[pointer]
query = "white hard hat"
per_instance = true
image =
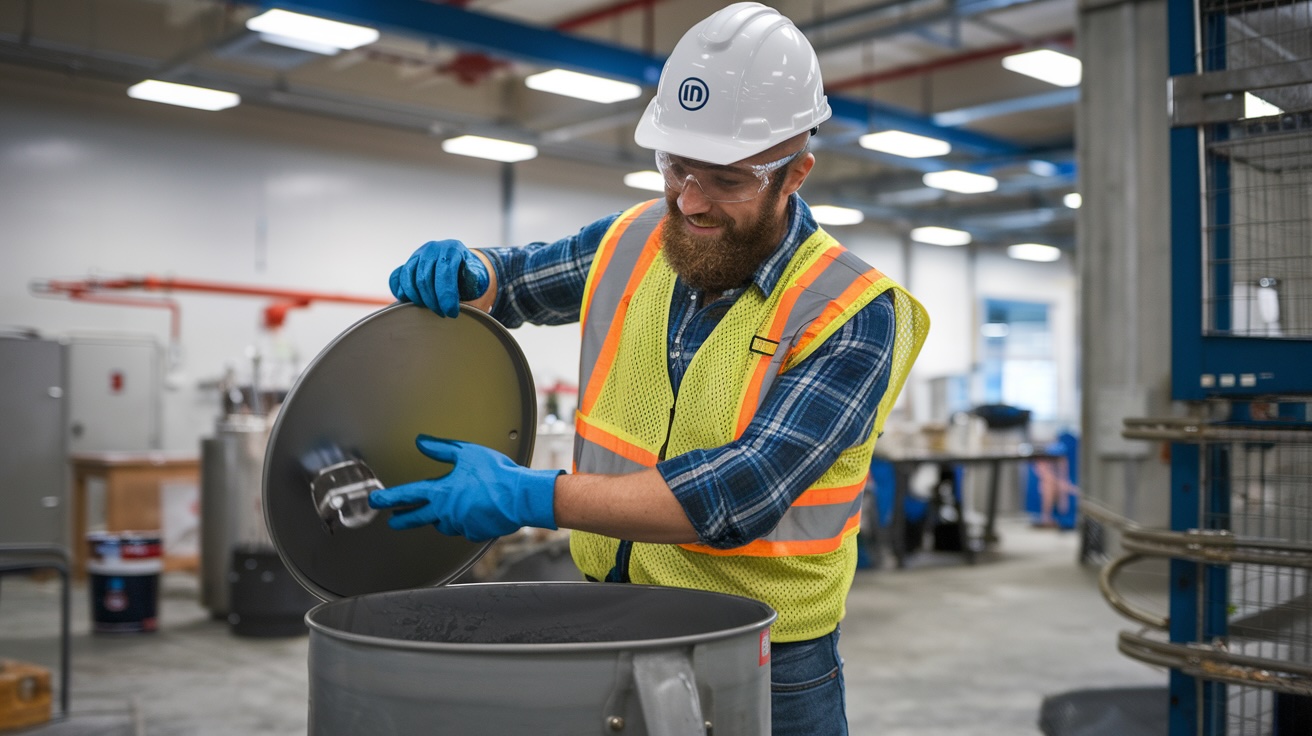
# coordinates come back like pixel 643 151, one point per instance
pixel 737 83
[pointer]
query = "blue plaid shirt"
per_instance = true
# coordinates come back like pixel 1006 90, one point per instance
pixel 736 493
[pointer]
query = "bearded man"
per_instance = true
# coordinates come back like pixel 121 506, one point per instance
pixel 737 364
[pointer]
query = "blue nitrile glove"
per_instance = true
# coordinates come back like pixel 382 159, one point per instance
pixel 440 275
pixel 486 495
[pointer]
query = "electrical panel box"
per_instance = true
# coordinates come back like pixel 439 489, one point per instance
pixel 33 452
pixel 115 392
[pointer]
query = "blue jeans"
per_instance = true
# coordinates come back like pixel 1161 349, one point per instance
pixel 806 688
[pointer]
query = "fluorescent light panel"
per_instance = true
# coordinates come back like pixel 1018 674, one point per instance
pixel 300 44
pixel 1074 200
pixel 307 28
pixel 906 145
pixel 651 181
pixel 1034 252
pixel 940 236
pixel 828 214
pixel 489 148
pixel 1256 107
pixel 1050 66
pixel 582 86
pixel 960 181
pixel 185 95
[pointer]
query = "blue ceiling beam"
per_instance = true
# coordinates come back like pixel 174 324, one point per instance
pixel 1043 100
pixel 544 46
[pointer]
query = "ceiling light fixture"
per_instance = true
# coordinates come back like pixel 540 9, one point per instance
pixel 906 145
pixel 828 214
pixel 582 86
pixel 279 26
pixel 1073 200
pixel 301 44
pixel 1050 66
pixel 960 181
pixel 1034 252
pixel 490 148
pixel 185 95
pixel 649 180
pixel 1256 107
pixel 940 236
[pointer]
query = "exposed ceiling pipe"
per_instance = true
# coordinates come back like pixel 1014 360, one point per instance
pixel 175 311
pixel 92 290
pixel 954 12
pixel 473 67
pixel 542 46
pixel 946 62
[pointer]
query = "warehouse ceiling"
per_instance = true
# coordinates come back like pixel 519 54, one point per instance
pixel 931 67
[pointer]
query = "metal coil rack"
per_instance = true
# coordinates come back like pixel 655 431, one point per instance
pixel 1253 549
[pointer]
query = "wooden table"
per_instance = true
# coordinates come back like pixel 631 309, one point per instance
pixel 133 484
pixel 904 464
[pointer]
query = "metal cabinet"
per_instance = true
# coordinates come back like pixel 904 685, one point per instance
pixel 33 469
pixel 114 394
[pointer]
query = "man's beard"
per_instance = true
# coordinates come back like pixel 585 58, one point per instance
pixel 721 262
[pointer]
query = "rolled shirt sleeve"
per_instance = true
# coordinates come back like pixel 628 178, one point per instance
pixel 542 283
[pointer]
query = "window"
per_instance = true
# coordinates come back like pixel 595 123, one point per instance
pixel 1017 366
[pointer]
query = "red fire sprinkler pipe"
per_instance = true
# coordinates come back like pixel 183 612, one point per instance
pixel 274 315
pixel 175 311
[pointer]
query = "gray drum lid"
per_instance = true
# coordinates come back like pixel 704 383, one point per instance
pixel 398 373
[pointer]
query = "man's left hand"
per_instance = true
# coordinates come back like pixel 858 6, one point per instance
pixel 486 495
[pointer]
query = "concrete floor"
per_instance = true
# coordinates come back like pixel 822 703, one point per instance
pixel 939 648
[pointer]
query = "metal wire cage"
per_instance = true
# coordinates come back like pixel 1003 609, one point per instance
pixel 1258 242
pixel 1258 183
pixel 1268 606
pixel 1252 545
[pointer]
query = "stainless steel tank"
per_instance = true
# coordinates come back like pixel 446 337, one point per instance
pixel 232 513
pixel 395 650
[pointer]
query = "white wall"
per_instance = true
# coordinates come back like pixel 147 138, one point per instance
pixel 93 183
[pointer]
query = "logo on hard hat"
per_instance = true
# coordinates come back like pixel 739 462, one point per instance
pixel 693 94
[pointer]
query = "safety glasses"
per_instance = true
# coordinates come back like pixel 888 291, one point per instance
pixel 729 183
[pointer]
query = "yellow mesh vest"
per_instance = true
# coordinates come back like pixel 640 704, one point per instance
pixel 637 405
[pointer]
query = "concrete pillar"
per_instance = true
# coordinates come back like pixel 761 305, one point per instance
pixel 1124 254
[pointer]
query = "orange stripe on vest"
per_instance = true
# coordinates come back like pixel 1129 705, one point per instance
pixel 607 250
pixel 752 396
pixel 601 370
pixel 605 439
pixel 831 496
pixel 833 310
pixel 763 548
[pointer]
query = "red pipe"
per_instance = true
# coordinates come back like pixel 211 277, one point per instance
pixel 175 312
pixel 157 283
pixel 274 315
pixel 593 16
pixel 946 62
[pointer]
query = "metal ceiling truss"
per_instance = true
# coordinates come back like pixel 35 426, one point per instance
pixel 478 32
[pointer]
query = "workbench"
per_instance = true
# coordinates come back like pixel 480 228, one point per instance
pixel 905 462
pixel 134 484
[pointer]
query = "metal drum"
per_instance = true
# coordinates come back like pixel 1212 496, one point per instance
pixel 541 658
pixel 393 652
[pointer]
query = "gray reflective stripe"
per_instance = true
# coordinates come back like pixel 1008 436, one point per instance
pixel 609 289
pixel 828 286
pixel 593 458
pixel 809 523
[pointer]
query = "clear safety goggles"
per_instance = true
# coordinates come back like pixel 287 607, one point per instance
pixel 727 183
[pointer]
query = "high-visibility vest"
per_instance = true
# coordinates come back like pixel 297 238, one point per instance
pixel 629 417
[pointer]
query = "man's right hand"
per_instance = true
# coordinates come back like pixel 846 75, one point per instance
pixel 440 275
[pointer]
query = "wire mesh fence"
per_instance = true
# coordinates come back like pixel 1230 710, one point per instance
pixel 1268 607
pixel 1258 183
